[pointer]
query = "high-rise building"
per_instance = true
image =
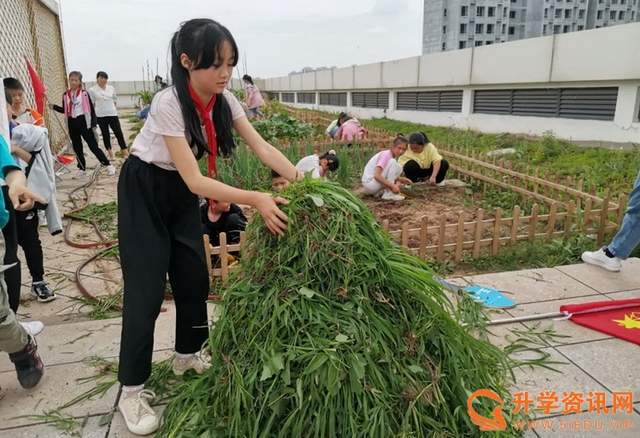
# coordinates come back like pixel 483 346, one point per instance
pixel 458 24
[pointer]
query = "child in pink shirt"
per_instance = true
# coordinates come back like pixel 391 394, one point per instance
pixel 253 98
pixel 350 129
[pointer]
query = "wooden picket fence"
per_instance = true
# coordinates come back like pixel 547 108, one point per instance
pixel 555 209
pixel 482 236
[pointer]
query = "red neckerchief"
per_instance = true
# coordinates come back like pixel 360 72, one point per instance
pixel 69 93
pixel 204 112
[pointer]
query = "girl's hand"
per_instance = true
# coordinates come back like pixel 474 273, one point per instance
pixel 404 180
pixel 432 181
pixel 395 188
pixel 22 198
pixel 274 218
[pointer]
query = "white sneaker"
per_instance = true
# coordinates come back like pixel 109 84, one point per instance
pixel 192 362
pixel 34 328
pixel 441 183
pixel 139 417
pixel 111 170
pixel 388 195
pixel 599 258
pixel 79 174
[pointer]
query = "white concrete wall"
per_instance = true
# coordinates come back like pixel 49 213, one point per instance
pixel 624 129
pixel 445 69
pixel 309 81
pixel 368 76
pixel 523 61
pixel 295 82
pixel 343 78
pixel 611 53
pixel 400 73
pixel 324 79
pixel 597 58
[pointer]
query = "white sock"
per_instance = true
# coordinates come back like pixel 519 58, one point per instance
pixel 129 390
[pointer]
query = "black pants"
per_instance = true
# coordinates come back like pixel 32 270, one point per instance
pixel 12 276
pixel 159 232
pixel 415 173
pixel 112 122
pixel 77 131
pixel 29 241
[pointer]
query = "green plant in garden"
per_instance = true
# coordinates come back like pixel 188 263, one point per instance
pixel 332 330
pixel 239 94
pixel 281 126
pixel 526 255
pixel 145 97
pixel 243 169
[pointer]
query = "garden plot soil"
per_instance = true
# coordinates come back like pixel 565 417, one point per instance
pixel 430 202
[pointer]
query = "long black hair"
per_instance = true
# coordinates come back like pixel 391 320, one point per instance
pixel 248 79
pixel 419 138
pixel 201 40
pixel 332 160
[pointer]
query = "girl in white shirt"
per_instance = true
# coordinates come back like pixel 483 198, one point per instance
pixel 158 214
pixel 81 119
pixel 104 99
pixel 381 175
pixel 318 165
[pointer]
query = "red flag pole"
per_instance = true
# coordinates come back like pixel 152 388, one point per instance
pixel 564 315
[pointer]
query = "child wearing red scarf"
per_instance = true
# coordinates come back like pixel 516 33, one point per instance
pixel 81 119
pixel 158 214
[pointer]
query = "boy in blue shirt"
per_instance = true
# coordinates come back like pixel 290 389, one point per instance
pixel 14 339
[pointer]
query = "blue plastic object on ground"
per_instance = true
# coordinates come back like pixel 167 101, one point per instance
pixel 488 296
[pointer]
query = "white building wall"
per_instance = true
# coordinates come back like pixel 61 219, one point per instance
pixel 343 78
pixel 608 57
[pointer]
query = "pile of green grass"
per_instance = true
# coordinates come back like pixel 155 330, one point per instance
pixel 333 330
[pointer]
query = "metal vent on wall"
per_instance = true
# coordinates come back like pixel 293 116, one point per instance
pixel 307 98
pixel 567 103
pixel 429 100
pixel 370 100
pixel 288 97
pixel 333 99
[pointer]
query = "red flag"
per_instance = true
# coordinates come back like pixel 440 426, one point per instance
pixel 38 88
pixel 619 318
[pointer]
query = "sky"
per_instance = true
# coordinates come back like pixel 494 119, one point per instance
pixel 275 37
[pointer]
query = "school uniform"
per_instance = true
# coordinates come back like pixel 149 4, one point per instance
pixel 160 232
pixel 81 118
pixel 104 100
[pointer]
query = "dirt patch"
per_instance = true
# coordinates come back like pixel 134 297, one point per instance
pixel 432 203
